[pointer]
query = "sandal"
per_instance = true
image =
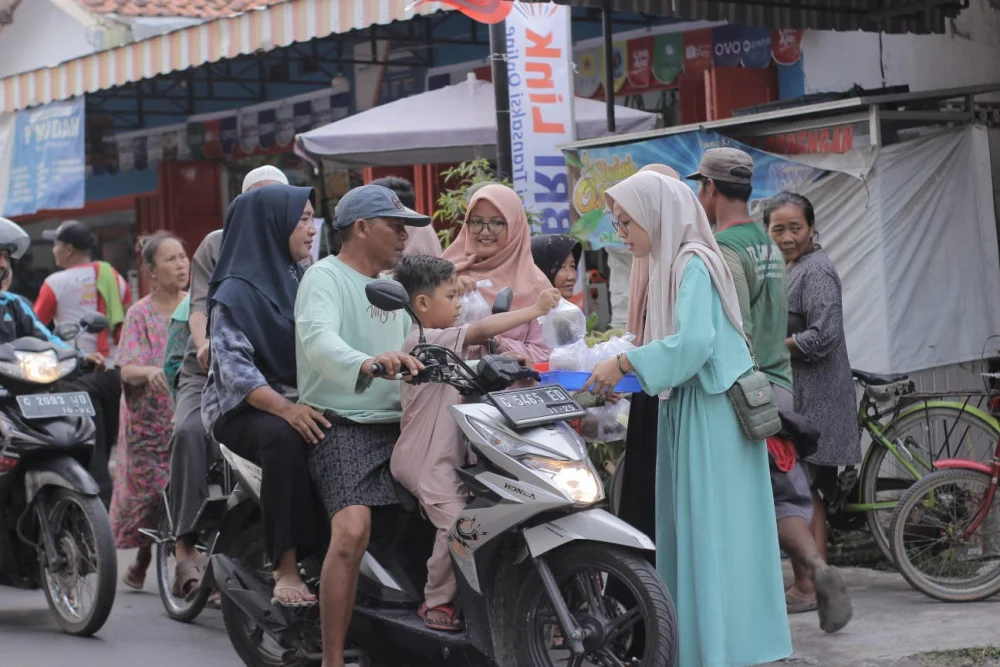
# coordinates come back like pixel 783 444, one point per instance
pixel 301 590
pixel 135 578
pixel 187 577
pixel 797 605
pixel 452 625
pixel 832 600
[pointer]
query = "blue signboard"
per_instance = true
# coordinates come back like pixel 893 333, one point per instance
pixel 48 164
pixel 594 170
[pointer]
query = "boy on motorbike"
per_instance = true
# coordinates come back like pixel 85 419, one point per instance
pixel 430 445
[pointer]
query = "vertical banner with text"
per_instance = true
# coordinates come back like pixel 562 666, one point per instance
pixel 540 78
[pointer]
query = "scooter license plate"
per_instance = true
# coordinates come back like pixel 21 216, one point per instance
pixel 49 406
pixel 537 405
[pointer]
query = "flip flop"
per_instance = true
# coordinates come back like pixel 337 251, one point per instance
pixel 797 605
pixel 453 624
pixel 302 591
pixel 835 609
pixel 187 577
pixel 134 580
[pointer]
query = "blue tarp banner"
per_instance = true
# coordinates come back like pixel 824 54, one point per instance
pixel 594 170
pixel 48 164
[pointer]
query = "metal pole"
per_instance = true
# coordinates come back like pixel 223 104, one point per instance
pixel 498 60
pixel 609 65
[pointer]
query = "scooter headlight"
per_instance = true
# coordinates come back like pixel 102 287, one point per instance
pixel 37 367
pixel 576 479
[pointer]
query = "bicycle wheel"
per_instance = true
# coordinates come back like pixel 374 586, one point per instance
pixel 928 529
pixel 928 435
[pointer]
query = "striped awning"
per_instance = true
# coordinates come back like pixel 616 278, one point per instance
pixel 272 27
pixel 899 16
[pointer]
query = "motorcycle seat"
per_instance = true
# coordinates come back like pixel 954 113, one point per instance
pixel 876 379
pixel 406 499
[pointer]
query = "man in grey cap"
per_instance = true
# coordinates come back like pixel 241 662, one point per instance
pixel 340 338
pixel 758 267
pixel 192 452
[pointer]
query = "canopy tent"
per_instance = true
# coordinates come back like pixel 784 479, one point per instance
pixel 450 124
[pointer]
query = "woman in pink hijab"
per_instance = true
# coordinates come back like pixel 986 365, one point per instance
pixel 495 244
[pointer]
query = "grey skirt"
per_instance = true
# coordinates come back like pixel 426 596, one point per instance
pixel 350 466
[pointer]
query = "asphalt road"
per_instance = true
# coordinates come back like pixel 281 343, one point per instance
pixel 138 633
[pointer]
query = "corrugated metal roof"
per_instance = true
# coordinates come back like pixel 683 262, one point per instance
pixel 893 16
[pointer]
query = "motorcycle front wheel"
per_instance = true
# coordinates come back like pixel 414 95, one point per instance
pixel 80 583
pixel 630 621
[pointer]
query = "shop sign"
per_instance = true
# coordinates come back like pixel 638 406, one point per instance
pixel 786 46
pixel 540 82
pixel 668 57
pixel 47 159
pixel 594 170
pixel 697 51
pixel 267 127
pixel 829 139
pixel 691 52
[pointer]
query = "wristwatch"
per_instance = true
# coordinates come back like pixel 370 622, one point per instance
pixel 621 366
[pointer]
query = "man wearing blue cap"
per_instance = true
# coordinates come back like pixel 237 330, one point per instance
pixel 339 338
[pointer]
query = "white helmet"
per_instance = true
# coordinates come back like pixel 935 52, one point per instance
pixel 13 239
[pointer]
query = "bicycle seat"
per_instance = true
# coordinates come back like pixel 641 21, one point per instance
pixel 876 379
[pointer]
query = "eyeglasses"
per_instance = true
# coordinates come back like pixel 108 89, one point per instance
pixel 496 227
pixel 620 226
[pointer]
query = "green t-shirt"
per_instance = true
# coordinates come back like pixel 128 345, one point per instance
pixel 758 269
pixel 336 331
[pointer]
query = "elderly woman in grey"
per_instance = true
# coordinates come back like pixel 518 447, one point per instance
pixel 824 388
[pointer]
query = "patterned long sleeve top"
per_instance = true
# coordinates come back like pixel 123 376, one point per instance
pixel 233 373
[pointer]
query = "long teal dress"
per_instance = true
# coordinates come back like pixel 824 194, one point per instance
pixel 716 536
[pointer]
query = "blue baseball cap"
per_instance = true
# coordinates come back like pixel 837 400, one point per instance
pixel 374 201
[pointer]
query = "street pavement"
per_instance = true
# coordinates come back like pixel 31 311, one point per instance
pixel 891 621
pixel 138 633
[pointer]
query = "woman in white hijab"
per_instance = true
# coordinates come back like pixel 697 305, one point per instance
pixel 716 540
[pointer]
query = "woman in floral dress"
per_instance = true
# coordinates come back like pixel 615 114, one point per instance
pixel 147 408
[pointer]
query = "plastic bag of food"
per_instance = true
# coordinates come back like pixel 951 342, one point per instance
pixel 474 306
pixel 611 348
pixel 563 325
pixel 573 357
pixel 608 423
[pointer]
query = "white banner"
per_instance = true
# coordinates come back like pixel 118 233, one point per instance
pixel 540 79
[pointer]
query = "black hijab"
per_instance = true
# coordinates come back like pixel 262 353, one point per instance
pixel 256 277
pixel 551 250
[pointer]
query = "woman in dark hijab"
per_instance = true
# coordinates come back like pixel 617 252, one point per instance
pixel 558 256
pixel 249 403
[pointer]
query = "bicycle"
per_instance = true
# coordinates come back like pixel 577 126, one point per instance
pixel 954 510
pixel 207 523
pixel 904 428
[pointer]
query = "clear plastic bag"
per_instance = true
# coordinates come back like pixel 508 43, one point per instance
pixel 474 306
pixel 573 357
pixel 563 325
pixel 611 348
pixel 608 423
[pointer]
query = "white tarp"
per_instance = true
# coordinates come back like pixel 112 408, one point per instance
pixel 915 243
pixel 450 124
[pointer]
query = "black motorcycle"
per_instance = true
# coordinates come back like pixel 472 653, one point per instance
pixel 55 533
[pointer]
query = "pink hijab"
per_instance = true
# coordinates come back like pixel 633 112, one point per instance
pixel 514 265
pixel 638 280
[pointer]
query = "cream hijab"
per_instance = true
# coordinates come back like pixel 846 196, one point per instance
pixel 638 280
pixel 678 230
